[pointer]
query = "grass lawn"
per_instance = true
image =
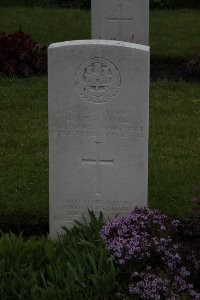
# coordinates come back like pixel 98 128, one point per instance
pixel 173 150
pixel 174 34
pixel 174 116
pixel 80 266
pixel 23 149
pixel 174 145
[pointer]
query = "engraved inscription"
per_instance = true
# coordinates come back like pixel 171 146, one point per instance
pixel 97 162
pixel 106 123
pixel 108 206
pixel 98 80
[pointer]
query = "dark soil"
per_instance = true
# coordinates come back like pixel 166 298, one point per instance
pixel 189 242
pixel 153 4
pixel 27 229
pixel 172 69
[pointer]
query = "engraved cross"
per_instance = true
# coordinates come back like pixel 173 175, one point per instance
pixel 98 162
pixel 119 21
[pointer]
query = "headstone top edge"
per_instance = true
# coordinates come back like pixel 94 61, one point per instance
pixel 99 42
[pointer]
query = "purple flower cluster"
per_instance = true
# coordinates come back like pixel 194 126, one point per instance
pixel 150 286
pixel 145 241
pixel 136 235
pixel 194 259
pixel 153 286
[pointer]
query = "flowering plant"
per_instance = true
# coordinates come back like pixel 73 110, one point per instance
pixel 145 244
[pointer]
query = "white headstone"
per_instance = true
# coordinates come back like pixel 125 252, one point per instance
pixel 122 20
pixel 98 129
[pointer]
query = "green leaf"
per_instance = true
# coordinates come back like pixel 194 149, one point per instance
pixel 4 248
pixel 88 244
pixel 50 251
pixel 92 262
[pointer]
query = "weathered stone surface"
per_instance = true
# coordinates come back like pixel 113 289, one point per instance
pixel 123 20
pixel 98 129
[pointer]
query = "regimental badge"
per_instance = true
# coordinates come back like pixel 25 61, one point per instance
pixel 98 80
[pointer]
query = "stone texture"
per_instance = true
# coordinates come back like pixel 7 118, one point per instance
pixel 123 20
pixel 98 129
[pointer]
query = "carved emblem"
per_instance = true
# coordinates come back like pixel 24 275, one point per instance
pixel 97 80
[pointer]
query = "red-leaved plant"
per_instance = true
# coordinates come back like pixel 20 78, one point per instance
pixel 20 55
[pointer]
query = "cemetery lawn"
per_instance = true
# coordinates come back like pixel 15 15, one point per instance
pixel 173 34
pixel 79 265
pixel 173 149
pixel 174 116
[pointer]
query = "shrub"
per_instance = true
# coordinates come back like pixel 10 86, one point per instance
pixel 76 267
pixel 20 55
pixel 145 245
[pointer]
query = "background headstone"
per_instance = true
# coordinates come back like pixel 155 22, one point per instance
pixel 123 20
pixel 98 129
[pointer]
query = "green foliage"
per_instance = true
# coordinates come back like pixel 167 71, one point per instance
pixel 76 267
